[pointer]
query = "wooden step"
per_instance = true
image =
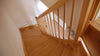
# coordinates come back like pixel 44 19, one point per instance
pixel 68 51
pixel 45 49
pixel 58 50
pixel 35 42
pixel 30 31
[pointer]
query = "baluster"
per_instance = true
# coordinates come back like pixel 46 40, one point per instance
pixel 38 24
pixel 58 22
pixel 51 23
pixel 63 20
pixel 54 24
pixel 71 19
pixel 42 24
pixel 46 17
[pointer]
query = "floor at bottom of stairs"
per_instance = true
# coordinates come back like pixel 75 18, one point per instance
pixel 38 44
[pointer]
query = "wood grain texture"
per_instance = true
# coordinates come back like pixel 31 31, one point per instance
pixel 39 44
pixel 58 50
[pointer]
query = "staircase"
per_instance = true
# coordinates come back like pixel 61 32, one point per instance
pixel 38 44
pixel 51 38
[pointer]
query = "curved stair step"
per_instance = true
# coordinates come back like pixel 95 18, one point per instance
pixel 44 50
pixel 58 50
pixel 30 31
pixel 68 51
pixel 35 42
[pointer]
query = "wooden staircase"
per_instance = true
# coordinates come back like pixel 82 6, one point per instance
pixel 38 44
pixel 48 38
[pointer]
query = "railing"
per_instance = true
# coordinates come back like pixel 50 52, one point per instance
pixel 49 21
pixel 51 25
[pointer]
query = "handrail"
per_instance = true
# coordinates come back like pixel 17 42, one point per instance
pixel 58 4
pixel 86 7
pixel 82 20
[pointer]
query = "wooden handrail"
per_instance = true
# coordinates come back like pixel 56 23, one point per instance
pixel 58 4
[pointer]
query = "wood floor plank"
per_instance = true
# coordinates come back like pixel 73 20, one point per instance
pixel 31 44
pixel 44 49
pixel 68 51
pixel 58 50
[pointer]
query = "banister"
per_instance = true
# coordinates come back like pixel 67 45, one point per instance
pixel 51 21
pixel 58 4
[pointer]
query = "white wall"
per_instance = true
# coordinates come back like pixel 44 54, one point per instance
pixel 10 38
pixel 20 11
pixel 29 6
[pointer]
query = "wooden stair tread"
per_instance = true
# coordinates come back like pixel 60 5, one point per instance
pixel 68 51
pixel 30 31
pixel 41 37
pixel 30 45
pixel 45 49
pixel 57 51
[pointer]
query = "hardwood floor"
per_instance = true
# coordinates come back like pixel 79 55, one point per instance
pixel 38 44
